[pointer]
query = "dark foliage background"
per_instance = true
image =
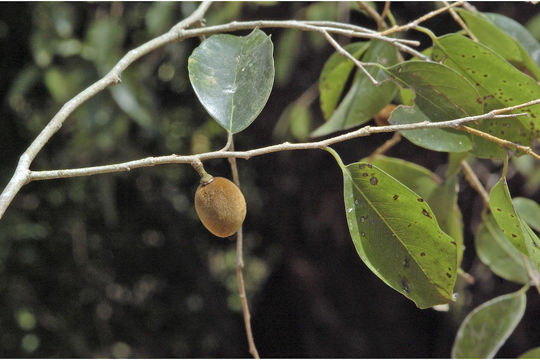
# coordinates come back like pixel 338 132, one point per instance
pixel 119 266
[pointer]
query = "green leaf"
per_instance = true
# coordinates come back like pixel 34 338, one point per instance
pixel 528 210
pixel 497 252
pixel 443 202
pixel 488 326
pixel 364 99
pixel 323 10
pixel 447 140
pixel 440 196
pixel 160 17
pixel 454 163
pixel 103 43
pixel 519 33
pixel 233 76
pixel 287 51
pixel 500 203
pixel 492 31
pixel 499 84
pixel 296 119
pixel 415 177
pixel 334 75
pixel 441 94
pixel 397 236
pixel 517 231
pixel 533 26
pixel 534 353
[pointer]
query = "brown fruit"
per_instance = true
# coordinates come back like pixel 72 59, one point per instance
pixel 220 206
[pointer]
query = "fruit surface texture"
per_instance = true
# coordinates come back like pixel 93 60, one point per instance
pixel 221 206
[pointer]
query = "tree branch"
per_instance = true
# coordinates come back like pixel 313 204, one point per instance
pixel 240 261
pixel 224 154
pixel 475 183
pixel 419 20
pixel 22 173
pixel 340 50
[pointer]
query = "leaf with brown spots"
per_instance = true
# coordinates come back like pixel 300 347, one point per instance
pixel 511 224
pixel 398 237
pixel 499 84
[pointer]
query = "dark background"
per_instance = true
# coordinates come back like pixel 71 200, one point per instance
pixel 118 265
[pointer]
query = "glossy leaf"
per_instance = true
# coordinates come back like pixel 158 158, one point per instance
pixel 497 39
pixel 334 75
pixel 497 252
pixel 364 100
pixel 488 326
pixel 397 236
pixel 446 140
pixel 534 353
pixel 440 196
pixel 232 76
pixel 529 211
pixel 499 84
pixel 415 177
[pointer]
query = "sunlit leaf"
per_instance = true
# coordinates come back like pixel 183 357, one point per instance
pixel 233 77
pixel 488 326
pixel 364 100
pixel 497 252
pixel 528 210
pixel 519 33
pixel 440 196
pixel 499 84
pixel 415 177
pixel 334 75
pixel 397 236
pixel 493 31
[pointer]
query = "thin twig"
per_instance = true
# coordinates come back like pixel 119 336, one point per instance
pixel 386 9
pixel 22 173
pixel 286 146
pixel 501 142
pixel 240 261
pixel 302 26
pixel 373 13
pixel 461 23
pixel 475 183
pixel 340 50
pixel 421 19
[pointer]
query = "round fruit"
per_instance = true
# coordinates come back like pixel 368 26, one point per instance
pixel 220 206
